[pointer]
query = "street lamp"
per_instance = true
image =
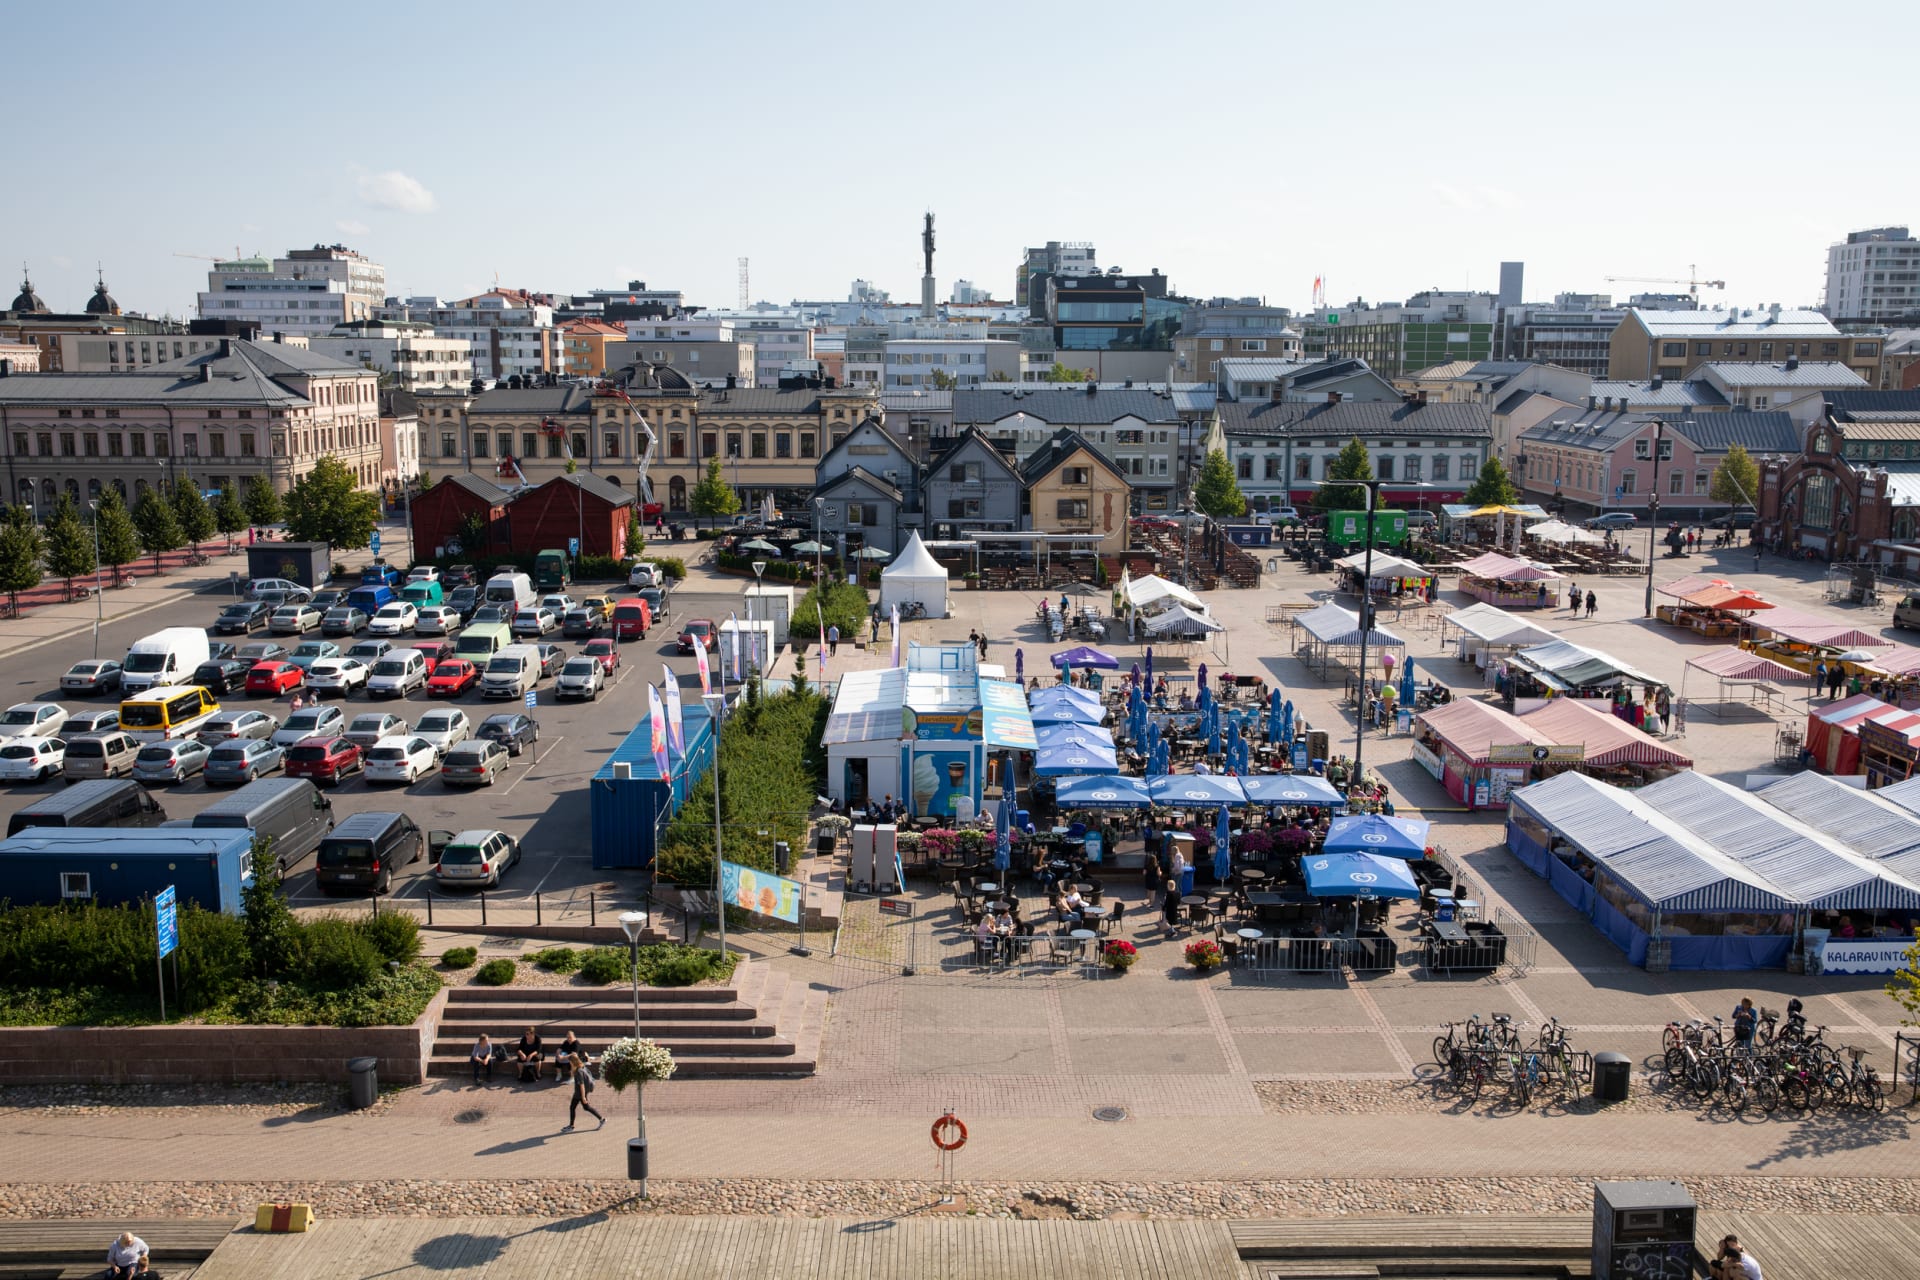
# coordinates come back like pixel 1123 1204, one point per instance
pixel 634 924
pixel 1653 507
pixel 93 509
pixel 759 567
pixel 1366 628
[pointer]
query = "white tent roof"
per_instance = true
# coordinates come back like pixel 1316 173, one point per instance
pixel 1183 620
pixel 914 561
pixel 1385 566
pixel 1330 624
pixel 1497 626
pixel 1561 531
pixel 1145 591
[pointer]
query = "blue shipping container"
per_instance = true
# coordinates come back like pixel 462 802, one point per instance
pixel 111 865
pixel 627 813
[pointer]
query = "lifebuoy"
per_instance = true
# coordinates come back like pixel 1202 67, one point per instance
pixel 949 1124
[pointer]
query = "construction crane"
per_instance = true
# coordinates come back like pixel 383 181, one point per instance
pixel 207 257
pixel 1693 280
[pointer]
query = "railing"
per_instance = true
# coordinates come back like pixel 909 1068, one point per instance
pixel 1523 944
pixel 1906 1063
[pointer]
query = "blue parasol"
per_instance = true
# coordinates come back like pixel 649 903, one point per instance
pixel 1205 699
pixel 1273 717
pixel 1134 675
pixel 1222 848
pixel 1358 875
pixel 1149 665
pixel 1084 656
pixel 1376 833
pixel 1003 825
pixel 1286 721
pixel 1213 740
pixel 1203 675
pixel 1102 793
pixel 1406 683
pixel 1161 752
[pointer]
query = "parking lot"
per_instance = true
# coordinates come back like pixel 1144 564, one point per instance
pixel 541 802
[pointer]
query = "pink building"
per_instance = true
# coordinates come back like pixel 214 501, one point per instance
pixel 1599 460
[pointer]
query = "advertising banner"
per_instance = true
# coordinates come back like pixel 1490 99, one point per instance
pixel 670 689
pixel 657 723
pixel 760 891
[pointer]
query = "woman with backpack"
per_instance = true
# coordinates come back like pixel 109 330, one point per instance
pixel 582 1089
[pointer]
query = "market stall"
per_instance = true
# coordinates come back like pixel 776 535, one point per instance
pixel 1488 633
pixel 1833 732
pixel 914 578
pixel 1561 533
pixel 1803 640
pixel 1715 609
pixel 1890 747
pixel 1390 579
pixel 1331 636
pixel 1509 582
pixel 1744 676
pixel 1612 749
pixel 1567 669
pixel 1479 753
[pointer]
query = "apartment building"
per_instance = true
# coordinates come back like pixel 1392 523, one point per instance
pixel 1672 344
pixel 305 292
pixel 1136 429
pixel 509 332
pixel 408 351
pixel 1873 277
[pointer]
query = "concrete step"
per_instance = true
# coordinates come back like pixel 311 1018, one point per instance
pixel 600 1010
pixel 458 1038
pixel 577 995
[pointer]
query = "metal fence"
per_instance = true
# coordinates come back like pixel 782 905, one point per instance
pixel 1523 944
pixel 1906 1063
pixel 497 909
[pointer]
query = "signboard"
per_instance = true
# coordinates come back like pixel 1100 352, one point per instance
pixel 760 892
pixel 1528 753
pixel 1301 760
pixel 1427 760
pixel 166 916
pixel 373 543
pixel 573 548
pixel 1333 317
pixel 1482 795
pixel 1503 783
pixel 533 699
pixel 1864 955
pixel 895 907
pixel 1005 720
pixel 945 726
pixel 1093 847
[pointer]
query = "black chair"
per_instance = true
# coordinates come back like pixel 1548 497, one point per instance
pixel 1114 916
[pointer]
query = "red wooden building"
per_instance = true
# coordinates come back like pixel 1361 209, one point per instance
pixel 438 514
pixel 581 505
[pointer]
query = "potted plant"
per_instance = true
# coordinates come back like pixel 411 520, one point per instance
pixel 972 580
pixel 1118 954
pixel 1205 955
pixel 629 1061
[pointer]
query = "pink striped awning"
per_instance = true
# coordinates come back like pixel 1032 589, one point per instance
pixel 1817 628
pixel 1607 738
pixel 1739 664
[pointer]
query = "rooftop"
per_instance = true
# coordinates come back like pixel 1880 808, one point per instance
pixel 1065 406
pixel 1734 323
pixel 1603 431
pixel 1669 394
pixel 1356 418
pixel 1813 373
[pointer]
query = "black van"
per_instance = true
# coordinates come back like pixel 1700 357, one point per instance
pixel 101 802
pixel 365 851
pixel 289 810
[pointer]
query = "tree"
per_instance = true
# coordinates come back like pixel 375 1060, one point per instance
pixel 266 919
pixel 1905 986
pixel 1218 493
pixel 1493 487
pixel 229 517
pixel 475 534
pixel 1736 481
pixel 69 544
pixel 191 510
pixel 21 548
pixel 119 539
pixel 424 480
pixel 944 381
pixel 999 375
pixel 1352 463
pixel 262 503
pixel 636 531
pixel 1060 373
pixel 713 496
pixel 159 527
pixel 327 505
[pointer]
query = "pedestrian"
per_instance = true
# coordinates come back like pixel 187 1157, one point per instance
pixel 1573 596
pixel 876 628
pixel 983 648
pixel 1733 1262
pixel 126 1257
pixel 1744 1016
pixel 482 1057
pixel 1820 674
pixel 833 640
pixel 1835 676
pixel 297 702
pixel 1593 602
pixel 582 1090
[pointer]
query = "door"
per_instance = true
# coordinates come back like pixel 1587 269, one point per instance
pixel 856 784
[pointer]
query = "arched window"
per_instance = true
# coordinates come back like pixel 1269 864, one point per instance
pixel 139 488
pixel 93 490
pixel 677 493
pixel 47 492
pixel 120 486
pixel 73 490
pixel 26 495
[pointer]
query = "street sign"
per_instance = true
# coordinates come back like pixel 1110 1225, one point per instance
pixel 895 907
pixel 533 699
pixel 374 542
pixel 167 918
pixel 573 547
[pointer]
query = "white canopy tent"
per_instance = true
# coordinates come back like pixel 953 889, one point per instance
pixel 1561 531
pixel 1330 635
pixel 914 577
pixel 1182 621
pixel 1154 592
pixel 1486 630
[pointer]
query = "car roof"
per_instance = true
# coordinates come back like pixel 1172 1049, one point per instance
pixel 21 706
pixel 479 745
pixel 32 739
pixel 398 740
pixel 474 835
pixel 503 717
pixel 323 740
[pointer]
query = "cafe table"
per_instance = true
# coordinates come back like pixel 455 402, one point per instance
pixel 1251 935
pixel 987 886
pixel 1252 875
pixel 1081 937
pixel 1194 900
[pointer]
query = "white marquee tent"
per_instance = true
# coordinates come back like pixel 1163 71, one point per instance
pixel 914 577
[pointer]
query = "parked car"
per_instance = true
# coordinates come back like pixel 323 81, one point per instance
pixel 94 676
pixel 401 758
pixel 643 574
pixel 380 574
pixel 452 678
pixel 31 759
pixel 323 759
pixel 434 651
pixel 534 622
pixel 446 728
pixel 1422 520
pixel 607 651
pixel 274 678
pixel 224 726
pixel 261 651
pixel 393 619
pixel 1906 614
pixel 370 651
pixel 659 604
pixel 369 727
pixel 477 858
pixel 344 620
pixel 1733 520
pixel 100 755
pixel 308 652
pixel 459 575
pixel 423 573
pixel 331 598
pixel 436 620
pixel 218 649
pixel 338 675
pixel 259 586
pixel 243 617
pixel 88 720
pixel 295 619
pixel 580 623
pixel 1613 520
pixel 490 613
pixel 702 632
pixel 511 729
pixel 173 761
pixel 309 722
pixel 278 599
pixel 33 720
pixel 474 763
pixel 463 601
pixel 552 657
pixel 398 674
pixel 581 678
pixel 242 760
pixel 221 676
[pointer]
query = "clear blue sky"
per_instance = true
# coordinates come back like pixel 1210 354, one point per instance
pixel 1240 148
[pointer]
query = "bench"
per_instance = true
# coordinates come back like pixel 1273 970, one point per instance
pixel 1374 1241
pixel 76 1248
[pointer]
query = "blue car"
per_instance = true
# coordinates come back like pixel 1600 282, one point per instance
pixel 380 574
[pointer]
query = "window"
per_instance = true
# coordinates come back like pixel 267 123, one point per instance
pixel 1700 482
pixel 479 444
pixel 759 444
pixel 1740 349
pixel 862 513
pixel 610 444
pixel 579 444
pixel 505 443
pixel 529 444
pixel 709 443
pixel 114 445
pixel 1643 449
pixel 1070 509
pixel 1271 468
pixel 246 444
pixel 1762 401
pixel 1243 467
pixel 554 444
pixel 1303 468
pixel 1383 466
pixel 449 446
pixel 806 444
pixel 1076 475
pixel 783 444
pixel 1411 469
pixel 1216 344
pixel 45 443
pixel 93 445
pixel 964 473
pixel 1673 350
pixel 1468 465
pixel 1253 344
pixel 1629 480
pixel 217 444
pixel 1766 351
pixel 138 443
pixel 677 444
pixel 1703 348
pixel 963 508
pixel 76 884
pixel 1819 508
pixel 20 443
pixel 1677 482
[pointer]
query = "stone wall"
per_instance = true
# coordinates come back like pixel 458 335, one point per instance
pixel 230 1054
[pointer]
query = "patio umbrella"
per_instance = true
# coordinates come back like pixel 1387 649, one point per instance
pixel 1358 875
pixel 1293 788
pixel 1019 664
pixel 808 547
pixel 1857 655
pixel 1213 739
pixel 1406 684
pixel 1149 665
pixel 1286 722
pixel 1195 790
pixel 1203 675
pixel 1003 824
pixel 1084 656
pixel 1160 761
pixel 1115 792
pixel 872 553
pixel 758 544
pixel 1222 847
pixel 1134 675
pixel 1273 716
pixel 1376 833
pixel 1152 735
pixel 1205 699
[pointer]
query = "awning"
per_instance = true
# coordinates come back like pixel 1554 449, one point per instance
pixel 1152 589
pixel 1607 738
pixel 1866 822
pixel 1377 834
pixel 1385 567
pixel 1899 660
pixel 1498 568
pixel 1331 624
pixel 1470 729
pixel 1681 588
pixel 1192 790
pixel 1054 735
pixel 1560 531
pixel 1084 656
pixel 1358 875
pixel 1723 595
pixel 1817 628
pixel 1075 758
pixel 1294 788
pixel 1740 664
pixel 1115 792
pixel 1180 620
pixel 1497 626
pixel 1576 666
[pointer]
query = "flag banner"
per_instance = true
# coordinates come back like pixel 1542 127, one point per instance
pixel 670 689
pixel 896 634
pixel 657 723
pixel 752 890
pixel 706 675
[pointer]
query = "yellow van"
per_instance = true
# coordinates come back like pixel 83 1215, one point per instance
pixel 173 711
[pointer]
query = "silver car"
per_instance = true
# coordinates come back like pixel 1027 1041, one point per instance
pixel 33 720
pixel 225 726
pixel 242 760
pixel 368 728
pixel 581 678
pixel 445 729
pixel 310 722
pixel 172 761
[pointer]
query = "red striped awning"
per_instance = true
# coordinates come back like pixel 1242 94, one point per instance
pixel 1607 738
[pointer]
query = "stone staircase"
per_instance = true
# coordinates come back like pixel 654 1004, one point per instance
pixel 766 1023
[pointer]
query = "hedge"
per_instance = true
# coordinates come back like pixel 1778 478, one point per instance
pixel 830 604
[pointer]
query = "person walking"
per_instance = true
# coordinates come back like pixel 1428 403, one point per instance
pixel 1835 676
pixel 582 1091
pixel 1744 1018
pixel 1573 596
pixel 1820 675
pixel 833 640
pixel 1593 602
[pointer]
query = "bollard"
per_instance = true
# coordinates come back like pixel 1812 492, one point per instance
pixel 429 908
pixel 593 912
pixel 536 908
pixel 483 908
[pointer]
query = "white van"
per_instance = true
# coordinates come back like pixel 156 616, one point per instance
pixel 397 673
pixel 514 590
pixel 164 658
pixel 511 672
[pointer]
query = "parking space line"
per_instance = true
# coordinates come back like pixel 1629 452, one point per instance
pixel 538 885
pixel 523 777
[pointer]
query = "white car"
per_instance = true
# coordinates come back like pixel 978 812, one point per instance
pixel 32 720
pixel 343 675
pixel 445 729
pixel 642 575
pixel 580 678
pixel 309 722
pixel 558 604
pixel 32 759
pixel 394 619
pixel 225 725
pixel 259 586
pixel 91 720
pixel 436 620
pixel 369 728
pixel 401 758
pixel 534 622
pixel 423 573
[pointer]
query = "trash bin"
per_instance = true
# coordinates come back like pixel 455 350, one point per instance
pixel 1611 1073
pixel 637 1159
pixel 363 1082
pixel 782 856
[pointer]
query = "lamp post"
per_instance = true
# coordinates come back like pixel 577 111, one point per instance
pixel 633 924
pixel 759 567
pixel 93 509
pixel 1653 507
pixel 1366 629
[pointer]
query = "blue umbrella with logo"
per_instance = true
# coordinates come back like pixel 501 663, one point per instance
pixel 1406 683
pixel 1213 739
pixel 1222 847
pixel 1003 824
pixel 1358 875
pixel 1375 833
pixel 1286 721
pixel 1205 699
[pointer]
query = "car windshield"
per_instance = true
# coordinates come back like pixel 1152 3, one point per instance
pixel 369 724
pixel 238 611
pixel 465 754
pixel 84 748
pixel 580 667
pixel 303 720
pixel 17 751
pixel 389 667
pixel 20 715
pixel 340 853
pixel 233 754
pixel 504 666
pixel 312 649
pixel 389 753
pixel 699 628
pixel 461 855
pixel 307 754
pixel 435 724
pixel 145 663
pixel 393 611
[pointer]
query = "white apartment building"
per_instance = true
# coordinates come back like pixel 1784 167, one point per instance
pixel 1873 276
pixel 407 349
pixel 120 352
pixel 306 293
pixel 507 331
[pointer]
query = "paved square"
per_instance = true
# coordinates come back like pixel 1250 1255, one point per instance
pixel 1124 1055
pixel 1140 1000
pixel 1336 1053
pixel 1316 1002
pixel 986 1051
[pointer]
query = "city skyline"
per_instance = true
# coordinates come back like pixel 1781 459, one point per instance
pixel 1316 146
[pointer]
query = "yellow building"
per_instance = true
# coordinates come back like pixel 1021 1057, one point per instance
pixel 583 347
pixel 1073 488
pixel 1669 345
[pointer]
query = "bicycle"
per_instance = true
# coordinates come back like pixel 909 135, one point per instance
pixel 1572 1069
pixel 1468 1070
pixel 1863 1082
pixel 1526 1075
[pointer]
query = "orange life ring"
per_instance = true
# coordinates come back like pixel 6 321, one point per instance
pixel 946 1124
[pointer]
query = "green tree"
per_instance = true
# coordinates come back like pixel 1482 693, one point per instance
pixel 21 549
pixel 1060 373
pixel 262 503
pixel 191 510
pixel 1218 492
pixel 1736 481
pixel 424 480
pixel 272 933
pixel 475 534
pixel 159 527
pixel 327 505
pixel 636 531
pixel 69 543
pixel 1352 463
pixel 944 381
pixel 1493 487
pixel 713 496
pixel 229 517
pixel 119 539
pixel 1905 986
pixel 999 375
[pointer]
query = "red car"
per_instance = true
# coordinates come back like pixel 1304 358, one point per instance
pixel 325 760
pixel 608 651
pixel 631 618
pixel 435 652
pixel 700 631
pixel 274 677
pixel 452 677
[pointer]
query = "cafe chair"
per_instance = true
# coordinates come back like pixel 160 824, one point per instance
pixel 1199 916
pixel 1114 916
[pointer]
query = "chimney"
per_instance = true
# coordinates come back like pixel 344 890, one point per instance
pixel 1093 388
pixel 1277 392
pixel 1420 398
pixel 279 338
pixel 1591 399
pixel 1793 362
pixel 730 381
pixel 206 371
pixel 1333 397
pixel 1606 403
pixel 226 348
pixel 1623 404
pixel 1658 382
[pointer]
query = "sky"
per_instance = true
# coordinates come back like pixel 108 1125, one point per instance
pixel 1242 149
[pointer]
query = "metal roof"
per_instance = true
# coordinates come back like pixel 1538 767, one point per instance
pixel 568 398
pixel 1497 626
pixel 1883 427
pixel 1848 404
pixel 1812 374
pixel 1330 624
pixel 1865 821
pixel 1576 665
pixel 1734 324
pixel 1668 395
pixel 1472 728
pixel 867 707
pixel 1904 486
pixel 248 373
pixel 1608 739
pixel 1602 430
pixel 1352 418
pixel 1063 406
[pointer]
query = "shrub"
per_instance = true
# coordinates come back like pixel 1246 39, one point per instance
pixel 459 957
pixel 828 604
pixel 603 965
pixel 498 973
pixel 334 954
pixel 662 964
pixel 394 934
pixel 671 567
pixel 557 959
